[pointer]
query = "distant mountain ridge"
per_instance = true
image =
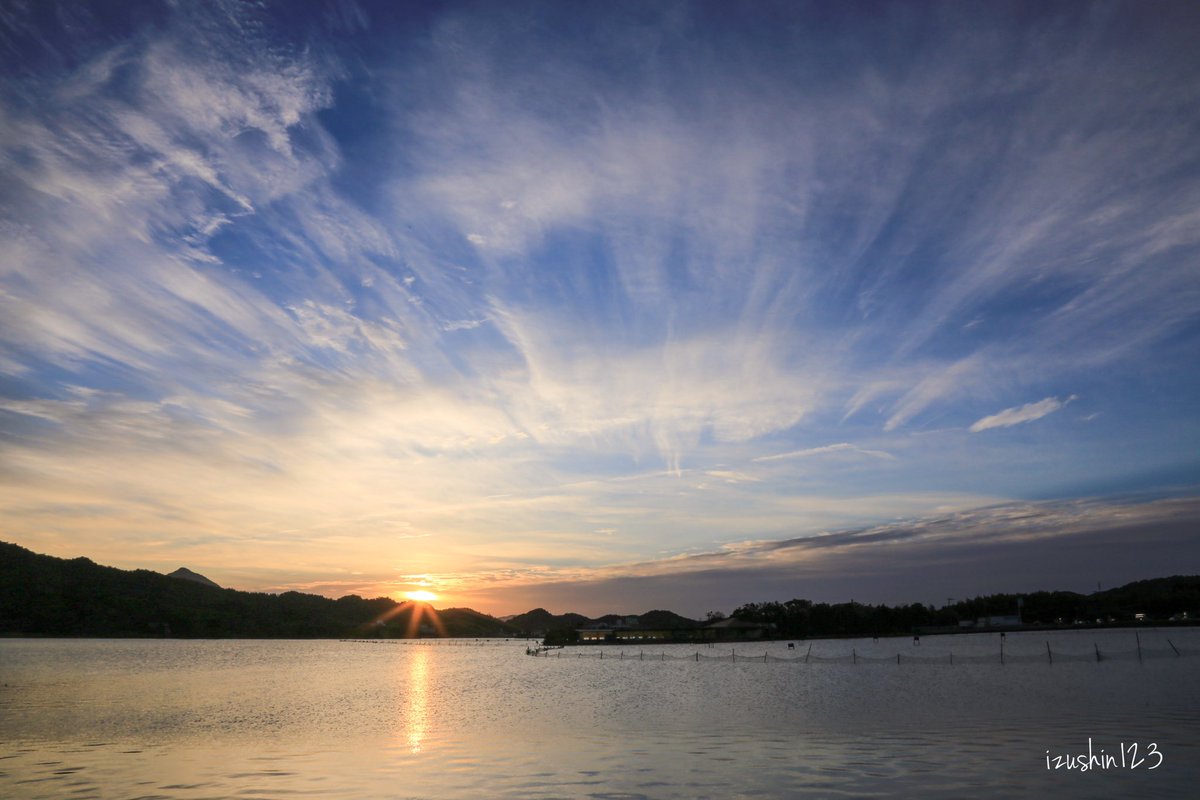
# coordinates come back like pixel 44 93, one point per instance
pixel 43 595
pixel 46 596
pixel 183 573
pixel 539 620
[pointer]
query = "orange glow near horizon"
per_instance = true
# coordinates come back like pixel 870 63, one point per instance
pixel 421 596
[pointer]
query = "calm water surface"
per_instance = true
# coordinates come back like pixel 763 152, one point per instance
pixel 221 719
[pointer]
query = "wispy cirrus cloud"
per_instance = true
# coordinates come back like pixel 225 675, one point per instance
pixel 1021 414
pixel 841 447
pixel 481 284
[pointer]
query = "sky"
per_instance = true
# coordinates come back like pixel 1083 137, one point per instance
pixel 604 307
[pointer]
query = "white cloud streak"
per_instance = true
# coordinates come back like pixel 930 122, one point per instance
pixel 841 447
pixel 1021 414
pixel 568 280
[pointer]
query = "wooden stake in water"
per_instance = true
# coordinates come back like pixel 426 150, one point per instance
pixel 809 653
pixel 1139 644
pixel 1097 650
pixel 1048 654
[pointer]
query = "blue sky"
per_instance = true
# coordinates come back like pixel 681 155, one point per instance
pixel 641 304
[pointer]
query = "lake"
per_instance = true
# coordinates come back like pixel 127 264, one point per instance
pixel 179 719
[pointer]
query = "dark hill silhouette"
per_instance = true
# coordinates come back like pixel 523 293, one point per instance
pixel 47 596
pixel 539 620
pixel 469 622
pixel 666 620
pixel 186 574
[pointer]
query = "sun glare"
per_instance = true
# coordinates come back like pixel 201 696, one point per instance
pixel 421 596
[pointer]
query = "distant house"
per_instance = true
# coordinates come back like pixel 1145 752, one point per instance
pixel 620 633
pixel 641 635
pixel 597 634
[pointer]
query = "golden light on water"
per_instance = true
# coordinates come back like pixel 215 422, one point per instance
pixel 416 717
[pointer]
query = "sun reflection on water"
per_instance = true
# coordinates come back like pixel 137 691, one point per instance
pixel 416 713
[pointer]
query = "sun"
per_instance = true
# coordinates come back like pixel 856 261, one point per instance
pixel 421 596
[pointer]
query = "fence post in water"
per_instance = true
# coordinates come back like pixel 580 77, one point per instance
pixel 1173 647
pixel 897 658
pixel 809 653
pixel 1049 655
pixel 853 656
pixel 1139 644
pixel 1002 649
pixel 1097 650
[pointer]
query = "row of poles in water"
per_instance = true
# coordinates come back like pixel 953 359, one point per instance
pixel 854 657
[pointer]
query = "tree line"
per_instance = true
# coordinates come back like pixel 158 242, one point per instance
pixel 1158 599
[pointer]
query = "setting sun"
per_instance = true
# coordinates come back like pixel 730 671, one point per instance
pixel 421 596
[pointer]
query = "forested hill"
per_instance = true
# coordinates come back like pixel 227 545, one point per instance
pixel 47 596
pixel 540 620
